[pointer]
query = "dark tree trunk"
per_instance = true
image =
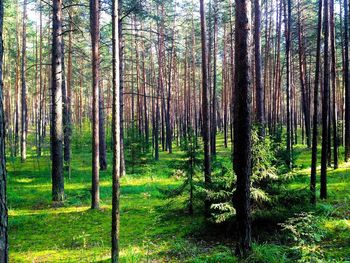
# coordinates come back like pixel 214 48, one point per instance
pixel 333 76
pixel 56 121
pixel 242 125
pixel 325 103
pixel 315 118
pixel 205 106
pixel 3 187
pixel 95 39
pixel 116 116
pixel 121 88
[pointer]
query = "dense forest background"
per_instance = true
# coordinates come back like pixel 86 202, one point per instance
pixel 174 131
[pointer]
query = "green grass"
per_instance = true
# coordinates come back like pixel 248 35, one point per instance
pixel 152 229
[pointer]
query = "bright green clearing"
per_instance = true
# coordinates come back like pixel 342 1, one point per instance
pixel 152 229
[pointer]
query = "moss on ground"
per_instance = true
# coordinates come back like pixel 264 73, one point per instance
pixel 152 229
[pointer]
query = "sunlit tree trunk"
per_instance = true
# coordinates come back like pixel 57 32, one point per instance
pixel 95 39
pixel 56 119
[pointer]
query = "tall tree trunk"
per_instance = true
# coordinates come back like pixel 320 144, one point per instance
pixel 95 39
pixel 213 122
pixel 302 75
pixel 325 103
pixel 242 125
pixel 24 120
pixel 56 121
pixel 3 187
pixel 117 168
pixel 67 102
pixel 205 106
pixel 333 76
pixel 315 118
pixel 17 89
pixel 288 19
pixel 121 88
pixel 347 81
pixel 259 98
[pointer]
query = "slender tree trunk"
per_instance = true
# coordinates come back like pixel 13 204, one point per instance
pixel 347 81
pixel 121 80
pixel 95 39
pixel 117 169
pixel 102 132
pixel 302 75
pixel 56 121
pixel 3 187
pixel 205 106
pixel 325 103
pixel 288 18
pixel 24 119
pixel 18 101
pixel 259 98
pixel 213 122
pixel 333 76
pixel 67 102
pixel 315 116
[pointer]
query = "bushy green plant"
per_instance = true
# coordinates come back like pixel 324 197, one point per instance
pixel 304 233
pixel 224 181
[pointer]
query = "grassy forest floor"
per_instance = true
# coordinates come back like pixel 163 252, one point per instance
pixel 156 229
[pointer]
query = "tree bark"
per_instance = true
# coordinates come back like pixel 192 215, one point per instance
pixel 95 39
pixel 259 98
pixel 315 116
pixel 205 106
pixel 56 121
pixel 24 120
pixel 242 125
pixel 117 168
pixel 325 103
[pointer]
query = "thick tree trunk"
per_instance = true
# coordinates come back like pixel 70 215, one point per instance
pixel 56 121
pixel 242 125
pixel 95 39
